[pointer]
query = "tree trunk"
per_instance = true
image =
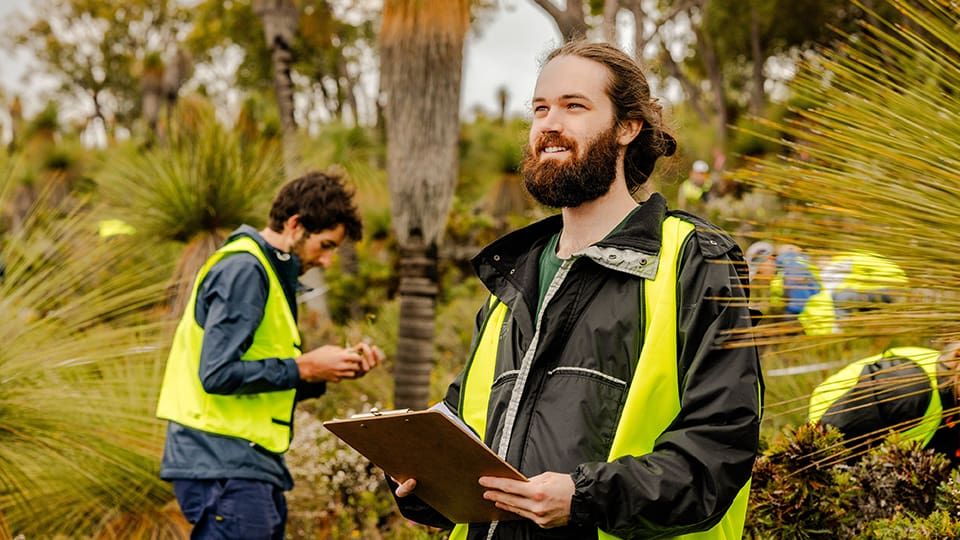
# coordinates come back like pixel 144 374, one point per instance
pixel 418 293
pixel 757 95
pixel 715 73
pixel 282 58
pixel 421 44
pixel 610 10
pixel 571 20
pixel 279 18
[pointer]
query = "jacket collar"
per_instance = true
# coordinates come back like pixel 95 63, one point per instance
pixel 285 265
pixel 633 249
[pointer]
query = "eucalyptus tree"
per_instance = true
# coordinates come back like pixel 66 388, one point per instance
pixel 93 49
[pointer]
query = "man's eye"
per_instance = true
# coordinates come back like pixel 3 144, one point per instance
pixel 575 106
pixel 540 109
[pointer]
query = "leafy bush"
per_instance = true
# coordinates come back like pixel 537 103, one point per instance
pixel 898 477
pixel 792 496
pixel 936 526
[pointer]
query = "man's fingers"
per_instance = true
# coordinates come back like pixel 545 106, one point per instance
pixel 513 501
pixel 505 485
pixel 518 511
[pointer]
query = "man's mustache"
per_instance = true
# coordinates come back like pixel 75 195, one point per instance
pixel 555 139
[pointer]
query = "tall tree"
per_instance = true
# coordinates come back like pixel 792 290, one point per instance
pixel 92 47
pixel 280 18
pixel 332 43
pixel 421 66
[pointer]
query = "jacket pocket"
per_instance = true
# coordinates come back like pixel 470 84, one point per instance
pixel 574 420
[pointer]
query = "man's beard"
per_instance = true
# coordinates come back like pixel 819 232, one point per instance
pixel 576 180
pixel 297 250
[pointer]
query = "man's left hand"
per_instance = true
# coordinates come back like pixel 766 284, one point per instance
pixel 544 499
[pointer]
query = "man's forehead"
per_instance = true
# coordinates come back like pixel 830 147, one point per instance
pixel 571 76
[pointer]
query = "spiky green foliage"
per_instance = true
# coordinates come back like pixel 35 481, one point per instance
pixel 873 165
pixel 79 370
pixel 207 181
pixel 792 496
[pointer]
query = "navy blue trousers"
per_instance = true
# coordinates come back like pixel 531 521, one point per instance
pixel 232 509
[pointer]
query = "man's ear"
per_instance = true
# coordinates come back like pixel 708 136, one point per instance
pixel 628 131
pixel 291 223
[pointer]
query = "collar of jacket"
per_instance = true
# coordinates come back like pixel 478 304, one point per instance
pixel 634 249
pixel 285 265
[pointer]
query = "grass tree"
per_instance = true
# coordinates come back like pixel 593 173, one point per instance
pixel 421 65
pixel 872 165
pixel 207 181
pixel 80 367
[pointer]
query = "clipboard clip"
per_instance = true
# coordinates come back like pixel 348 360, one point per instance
pixel 375 412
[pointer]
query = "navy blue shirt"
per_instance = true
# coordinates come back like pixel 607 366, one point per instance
pixel 229 308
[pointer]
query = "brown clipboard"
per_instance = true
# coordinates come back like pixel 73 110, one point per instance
pixel 446 459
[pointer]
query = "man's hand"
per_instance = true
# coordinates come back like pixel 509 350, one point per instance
pixel 370 357
pixel 544 499
pixel 329 363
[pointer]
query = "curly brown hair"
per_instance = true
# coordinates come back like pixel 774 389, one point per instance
pixel 629 92
pixel 322 200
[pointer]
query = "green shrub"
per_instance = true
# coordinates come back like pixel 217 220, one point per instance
pixel 793 496
pixel 936 526
pixel 898 477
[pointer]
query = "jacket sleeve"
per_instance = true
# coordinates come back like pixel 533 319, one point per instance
pixel 229 307
pixel 703 459
pixel 411 506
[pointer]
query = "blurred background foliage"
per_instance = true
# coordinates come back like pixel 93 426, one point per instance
pixel 827 125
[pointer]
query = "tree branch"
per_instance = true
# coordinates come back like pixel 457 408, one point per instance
pixel 550 8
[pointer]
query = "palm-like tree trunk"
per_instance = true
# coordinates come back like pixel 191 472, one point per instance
pixel 422 59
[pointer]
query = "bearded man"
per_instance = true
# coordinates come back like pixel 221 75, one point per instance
pixel 601 365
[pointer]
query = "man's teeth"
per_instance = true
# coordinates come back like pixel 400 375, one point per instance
pixel 554 149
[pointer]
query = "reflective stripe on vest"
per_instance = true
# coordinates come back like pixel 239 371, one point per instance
pixel 652 401
pixel 263 418
pixel 826 394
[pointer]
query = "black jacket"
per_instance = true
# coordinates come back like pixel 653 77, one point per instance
pixel 567 418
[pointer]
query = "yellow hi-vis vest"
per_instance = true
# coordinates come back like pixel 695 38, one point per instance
pixel 835 387
pixel 263 418
pixel 653 400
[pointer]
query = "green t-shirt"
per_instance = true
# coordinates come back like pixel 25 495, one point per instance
pixel 550 263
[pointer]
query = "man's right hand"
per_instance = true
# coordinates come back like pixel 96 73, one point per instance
pixel 329 363
pixel 406 488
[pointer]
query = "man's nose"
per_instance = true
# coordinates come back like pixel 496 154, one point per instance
pixel 326 260
pixel 552 122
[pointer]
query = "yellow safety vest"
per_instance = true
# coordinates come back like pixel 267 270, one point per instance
pixel 653 398
pixel 826 394
pixel 264 418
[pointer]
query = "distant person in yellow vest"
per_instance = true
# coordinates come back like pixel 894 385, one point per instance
pixel 695 190
pixel 236 368
pixel 850 282
pixel 599 368
pixel 909 390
